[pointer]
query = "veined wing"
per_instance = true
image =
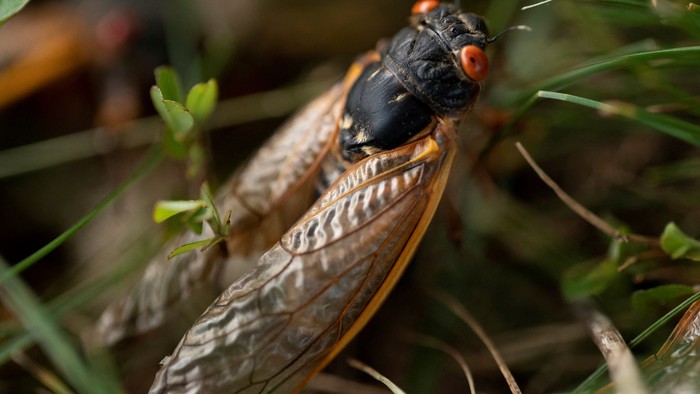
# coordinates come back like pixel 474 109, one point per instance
pixel 265 198
pixel 315 289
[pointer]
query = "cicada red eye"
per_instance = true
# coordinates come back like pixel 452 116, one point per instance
pixel 424 6
pixel 474 62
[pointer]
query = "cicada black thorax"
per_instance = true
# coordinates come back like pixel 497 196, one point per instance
pixel 421 74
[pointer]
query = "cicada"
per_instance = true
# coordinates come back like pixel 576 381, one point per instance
pixel 374 152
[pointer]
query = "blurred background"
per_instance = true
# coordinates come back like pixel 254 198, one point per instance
pixel 76 119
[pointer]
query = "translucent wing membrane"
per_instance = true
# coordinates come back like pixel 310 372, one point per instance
pixel 265 198
pixel 674 369
pixel 314 289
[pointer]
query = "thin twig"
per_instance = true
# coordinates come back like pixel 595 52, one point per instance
pixel 582 211
pixel 461 312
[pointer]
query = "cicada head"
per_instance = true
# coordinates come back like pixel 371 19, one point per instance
pixel 427 71
pixel 445 48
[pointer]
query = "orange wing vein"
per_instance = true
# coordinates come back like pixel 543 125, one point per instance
pixel 311 292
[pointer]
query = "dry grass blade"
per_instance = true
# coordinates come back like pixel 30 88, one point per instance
pixel 48 378
pixel 428 341
pixel 375 374
pixel 527 7
pixel 461 312
pixel 623 368
pixel 580 210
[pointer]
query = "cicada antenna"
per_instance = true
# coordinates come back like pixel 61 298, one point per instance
pixel 518 27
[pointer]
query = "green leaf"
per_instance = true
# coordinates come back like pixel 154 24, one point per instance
pixel 176 117
pixel 584 281
pixel 678 245
pixel 10 7
pixel 663 295
pixel 190 246
pixel 169 83
pixel 201 100
pixel 167 209
pixel 157 99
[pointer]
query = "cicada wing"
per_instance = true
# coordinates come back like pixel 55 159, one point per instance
pixel 673 369
pixel 277 185
pixel 159 292
pixel 265 198
pixel 315 289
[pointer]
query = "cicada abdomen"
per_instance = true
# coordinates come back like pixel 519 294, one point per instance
pixel 307 296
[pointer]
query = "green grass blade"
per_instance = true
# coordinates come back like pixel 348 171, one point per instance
pixel 55 342
pixel 155 156
pixel 15 339
pixel 669 125
pixel 15 344
pixel 691 53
